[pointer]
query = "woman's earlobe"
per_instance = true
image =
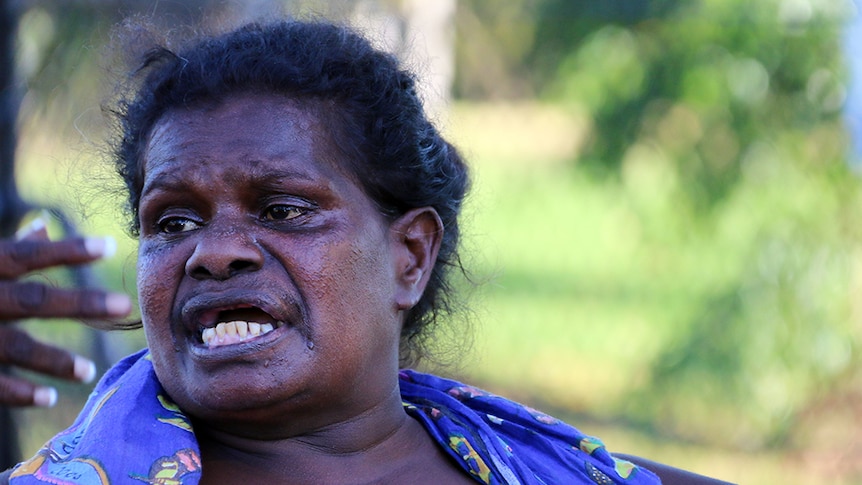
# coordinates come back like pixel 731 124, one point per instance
pixel 418 234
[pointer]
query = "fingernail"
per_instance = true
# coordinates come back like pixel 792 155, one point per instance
pixel 36 225
pixel 118 304
pixel 45 397
pixel 85 369
pixel 101 247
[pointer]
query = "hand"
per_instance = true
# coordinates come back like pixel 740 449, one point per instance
pixel 31 250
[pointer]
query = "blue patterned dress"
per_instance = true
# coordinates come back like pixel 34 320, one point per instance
pixel 131 432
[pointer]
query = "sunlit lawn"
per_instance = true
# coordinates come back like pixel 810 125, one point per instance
pixel 570 308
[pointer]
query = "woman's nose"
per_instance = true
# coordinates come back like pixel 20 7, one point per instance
pixel 220 256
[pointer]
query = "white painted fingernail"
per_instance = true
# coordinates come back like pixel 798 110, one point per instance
pixel 45 397
pixel 85 369
pixel 118 304
pixel 101 247
pixel 36 225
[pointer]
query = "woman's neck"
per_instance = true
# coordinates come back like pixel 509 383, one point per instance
pixel 362 447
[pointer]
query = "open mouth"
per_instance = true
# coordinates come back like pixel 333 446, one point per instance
pixel 229 326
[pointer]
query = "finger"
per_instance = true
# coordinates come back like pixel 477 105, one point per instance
pixel 18 392
pixel 37 300
pixel 19 349
pixel 34 231
pixel 20 257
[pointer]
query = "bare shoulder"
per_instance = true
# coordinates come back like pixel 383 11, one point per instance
pixel 670 475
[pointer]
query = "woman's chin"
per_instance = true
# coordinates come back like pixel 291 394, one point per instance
pixel 240 378
pixel 242 402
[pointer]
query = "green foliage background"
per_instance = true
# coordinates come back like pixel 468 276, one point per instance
pixel 709 214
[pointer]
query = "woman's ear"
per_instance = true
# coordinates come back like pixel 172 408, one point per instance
pixel 416 240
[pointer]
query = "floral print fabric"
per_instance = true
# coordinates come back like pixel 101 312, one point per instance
pixel 131 432
pixel 128 432
pixel 498 441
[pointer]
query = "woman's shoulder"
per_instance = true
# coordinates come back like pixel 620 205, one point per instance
pixel 520 439
pixel 502 441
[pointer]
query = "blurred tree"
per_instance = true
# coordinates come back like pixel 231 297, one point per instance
pixel 703 82
pixel 721 121
pixel 561 27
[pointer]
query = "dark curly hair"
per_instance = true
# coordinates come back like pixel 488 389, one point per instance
pixel 396 153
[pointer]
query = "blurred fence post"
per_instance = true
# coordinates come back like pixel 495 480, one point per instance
pixel 11 206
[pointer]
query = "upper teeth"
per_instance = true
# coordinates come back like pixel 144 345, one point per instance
pixel 226 333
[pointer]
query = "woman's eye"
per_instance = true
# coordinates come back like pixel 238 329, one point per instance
pixel 174 225
pixel 282 212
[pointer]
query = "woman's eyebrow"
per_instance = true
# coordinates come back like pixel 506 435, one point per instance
pixel 166 183
pixel 169 182
pixel 277 175
pixel 277 179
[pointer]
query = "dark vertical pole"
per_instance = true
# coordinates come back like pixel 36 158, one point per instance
pixel 11 206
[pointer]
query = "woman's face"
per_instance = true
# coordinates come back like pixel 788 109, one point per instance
pixel 267 278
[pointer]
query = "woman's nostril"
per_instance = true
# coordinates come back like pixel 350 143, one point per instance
pixel 201 273
pixel 241 265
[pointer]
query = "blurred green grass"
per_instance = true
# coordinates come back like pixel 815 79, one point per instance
pixel 591 286
pixel 584 284
pixel 567 286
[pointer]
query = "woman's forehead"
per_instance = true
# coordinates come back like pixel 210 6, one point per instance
pixel 251 127
pixel 246 108
pixel 249 137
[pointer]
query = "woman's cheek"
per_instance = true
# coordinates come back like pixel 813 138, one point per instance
pixel 156 287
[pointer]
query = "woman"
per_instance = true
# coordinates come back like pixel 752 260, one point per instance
pixel 297 217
